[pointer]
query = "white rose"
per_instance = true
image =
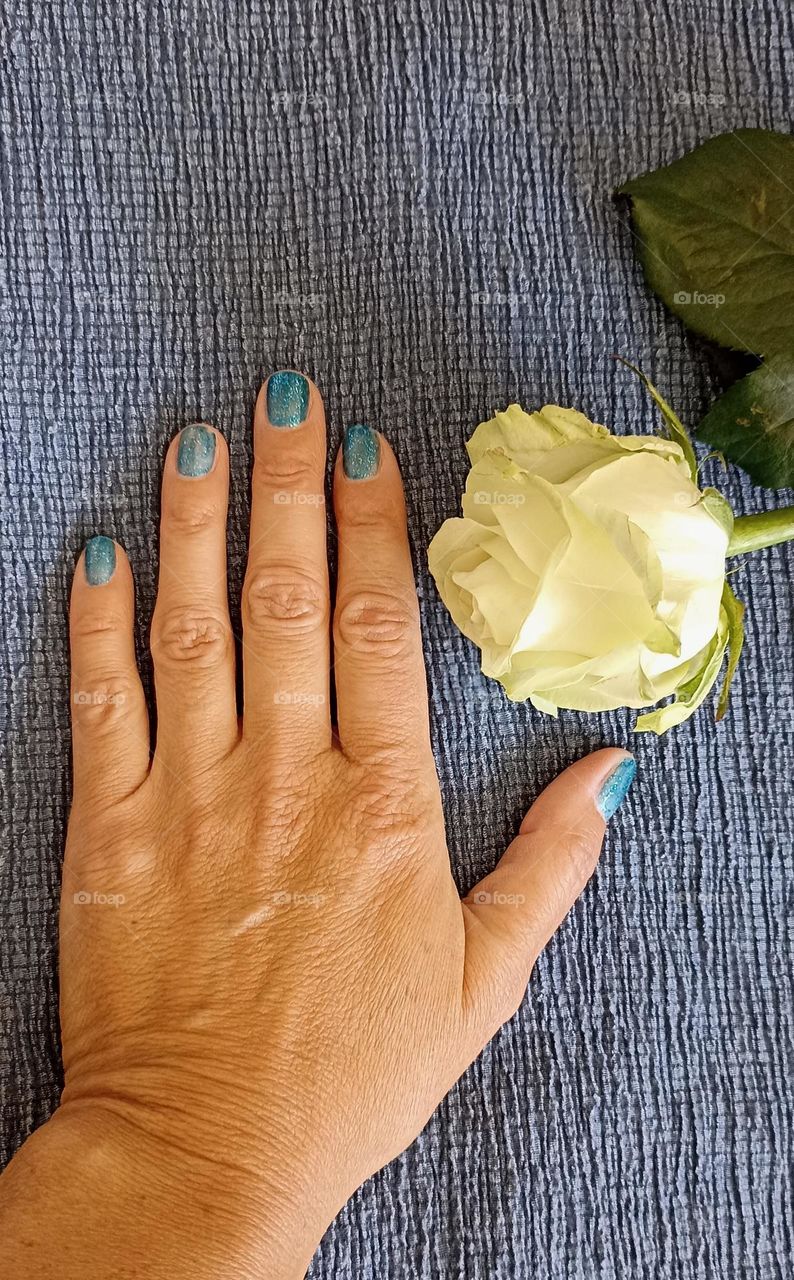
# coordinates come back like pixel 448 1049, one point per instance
pixel 589 568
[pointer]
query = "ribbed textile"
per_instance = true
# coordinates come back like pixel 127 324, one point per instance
pixel 411 200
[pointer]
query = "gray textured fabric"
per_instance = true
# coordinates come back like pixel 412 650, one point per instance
pixel 412 202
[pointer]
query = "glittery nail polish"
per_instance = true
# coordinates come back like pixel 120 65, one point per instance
pixel 360 452
pixel 196 452
pixel 613 792
pixel 287 399
pixel 100 561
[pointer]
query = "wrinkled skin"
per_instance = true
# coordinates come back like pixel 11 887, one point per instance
pixel 268 980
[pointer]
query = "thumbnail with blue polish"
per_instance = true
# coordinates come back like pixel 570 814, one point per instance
pixel 614 790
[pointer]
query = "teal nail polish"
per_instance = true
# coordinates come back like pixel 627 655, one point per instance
pixel 100 561
pixel 196 452
pixel 287 399
pixel 613 792
pixel 360 452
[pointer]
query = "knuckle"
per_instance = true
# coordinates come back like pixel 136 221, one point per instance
pixel 87 626
pixel 194 517
pixel 514 991
pixel 386 515
pixel 581 856
pixel 280 812
pixel 384 805
pixel 390 813
pixel 498 998
pixel 98 703
pixel 288 469
pixel 377 622
pixel 191 637
pixel 282 599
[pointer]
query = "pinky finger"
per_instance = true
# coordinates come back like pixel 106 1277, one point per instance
pixel 110 725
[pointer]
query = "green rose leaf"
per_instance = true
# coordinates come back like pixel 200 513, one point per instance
pixel 753 424
pixel 716 238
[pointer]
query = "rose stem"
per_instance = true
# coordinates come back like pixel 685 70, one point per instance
pixel 764 529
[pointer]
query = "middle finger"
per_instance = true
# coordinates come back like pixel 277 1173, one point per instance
pixel 286 641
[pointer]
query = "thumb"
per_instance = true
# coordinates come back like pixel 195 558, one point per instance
pixel 512 913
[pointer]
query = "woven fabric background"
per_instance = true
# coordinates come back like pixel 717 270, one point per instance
pixel 411 201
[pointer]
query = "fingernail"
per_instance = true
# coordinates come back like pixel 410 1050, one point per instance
pixel 100 561
pixel 196 452
pixel 614 790
pixel 360 452
pixel 287 399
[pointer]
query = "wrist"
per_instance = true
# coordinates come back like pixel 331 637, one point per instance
pixel 93 1194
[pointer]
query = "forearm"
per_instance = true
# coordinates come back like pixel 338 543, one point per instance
pixel 88 1198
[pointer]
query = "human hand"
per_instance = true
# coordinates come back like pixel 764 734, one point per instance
pixel 268 980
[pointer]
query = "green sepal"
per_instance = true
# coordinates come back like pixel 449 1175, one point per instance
pixel 693 692
pixel 720 509
pixel 675 426
pixel 734 612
